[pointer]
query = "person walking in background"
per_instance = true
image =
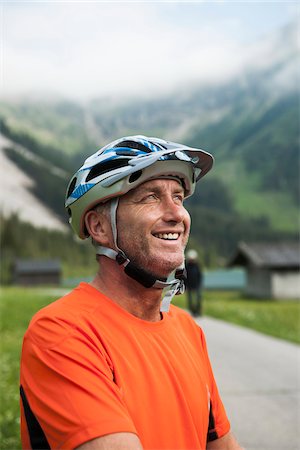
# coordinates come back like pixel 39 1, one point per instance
pixel 112 365
pixel 193 283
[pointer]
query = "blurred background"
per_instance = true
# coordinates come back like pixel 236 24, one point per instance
pixel 222 76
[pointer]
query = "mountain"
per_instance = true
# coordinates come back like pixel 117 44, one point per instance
pixel 17 194
pixel 250 124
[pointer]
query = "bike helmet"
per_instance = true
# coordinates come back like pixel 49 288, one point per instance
pixel 116 169
pixel 124 164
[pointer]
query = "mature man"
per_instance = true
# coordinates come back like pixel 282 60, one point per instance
pixel 111 365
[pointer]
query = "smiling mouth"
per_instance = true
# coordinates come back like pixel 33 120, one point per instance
pixel 167 236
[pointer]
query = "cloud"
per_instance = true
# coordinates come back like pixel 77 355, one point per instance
pixel 87 49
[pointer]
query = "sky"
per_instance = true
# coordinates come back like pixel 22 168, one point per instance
pixel 120 48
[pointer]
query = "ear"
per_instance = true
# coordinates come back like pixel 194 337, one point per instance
pixel 98 226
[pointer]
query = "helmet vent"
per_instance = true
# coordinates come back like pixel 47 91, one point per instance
pixel 134 145
pixel 159 145
pixel 72 186
pixel 107 166
pixel 125 152
pixel 135 176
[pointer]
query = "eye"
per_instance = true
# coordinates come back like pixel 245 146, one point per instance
pixel 179 198
pixel 150 197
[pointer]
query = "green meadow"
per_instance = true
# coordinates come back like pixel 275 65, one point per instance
pixel 17 305
pixel 279 318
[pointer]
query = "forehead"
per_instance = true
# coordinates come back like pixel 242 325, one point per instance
pixel 159 184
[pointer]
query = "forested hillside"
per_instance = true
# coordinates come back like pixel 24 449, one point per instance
pixel 250 124
pixel 22 240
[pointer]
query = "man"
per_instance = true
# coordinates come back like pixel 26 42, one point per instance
pixel 110 365
pixel 193 283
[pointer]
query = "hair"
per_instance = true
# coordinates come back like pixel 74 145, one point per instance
pixel 103 208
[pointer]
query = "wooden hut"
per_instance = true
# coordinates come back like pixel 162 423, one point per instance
pixel 31 272
pixel 272 269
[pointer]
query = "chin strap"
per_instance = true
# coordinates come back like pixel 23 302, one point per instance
pixel 174 289
pixel 172 285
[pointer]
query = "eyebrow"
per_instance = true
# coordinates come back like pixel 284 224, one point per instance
pixel 156 189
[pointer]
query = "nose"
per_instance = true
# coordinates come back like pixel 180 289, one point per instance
pixel 173 211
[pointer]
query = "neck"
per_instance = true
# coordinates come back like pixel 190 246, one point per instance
pixel 139 301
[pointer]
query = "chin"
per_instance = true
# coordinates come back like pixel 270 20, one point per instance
pixel 160 264
pixel 164 268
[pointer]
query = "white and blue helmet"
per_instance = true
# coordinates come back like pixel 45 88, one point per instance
pixel 124 164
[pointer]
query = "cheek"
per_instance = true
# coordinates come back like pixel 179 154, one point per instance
pixel 130 227
pixel 187 222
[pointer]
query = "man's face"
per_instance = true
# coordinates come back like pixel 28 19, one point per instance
pixel 153 226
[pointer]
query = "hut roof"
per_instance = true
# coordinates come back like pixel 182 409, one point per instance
pixel 27 266
pixel 273 255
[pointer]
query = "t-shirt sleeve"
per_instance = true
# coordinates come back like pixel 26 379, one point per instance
pixel 69 386
pixel 218 422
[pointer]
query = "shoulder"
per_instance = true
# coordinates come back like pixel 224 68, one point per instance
pixel 59 319
pixel 177 312
pixel 181 314
pixel 184 319
pixel 187 323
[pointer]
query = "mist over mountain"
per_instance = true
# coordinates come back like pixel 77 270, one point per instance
pixel 250 124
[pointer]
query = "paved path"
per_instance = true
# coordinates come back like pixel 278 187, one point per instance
pixel 259 379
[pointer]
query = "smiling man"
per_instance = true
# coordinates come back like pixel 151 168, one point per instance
pixel 112 365
pixel 159 224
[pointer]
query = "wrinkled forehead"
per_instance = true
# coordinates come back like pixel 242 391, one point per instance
pixel 156 185
pixel 160 183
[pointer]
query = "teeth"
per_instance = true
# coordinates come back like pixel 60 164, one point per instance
pixel 170 236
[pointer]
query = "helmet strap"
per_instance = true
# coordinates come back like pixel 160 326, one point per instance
pixel 172 285
pixel 114 203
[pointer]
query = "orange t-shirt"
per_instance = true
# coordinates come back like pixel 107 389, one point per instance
pixel 90 368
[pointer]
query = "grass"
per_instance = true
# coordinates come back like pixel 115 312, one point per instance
pixel 16 308
pixel 279 318
pixel 17 305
